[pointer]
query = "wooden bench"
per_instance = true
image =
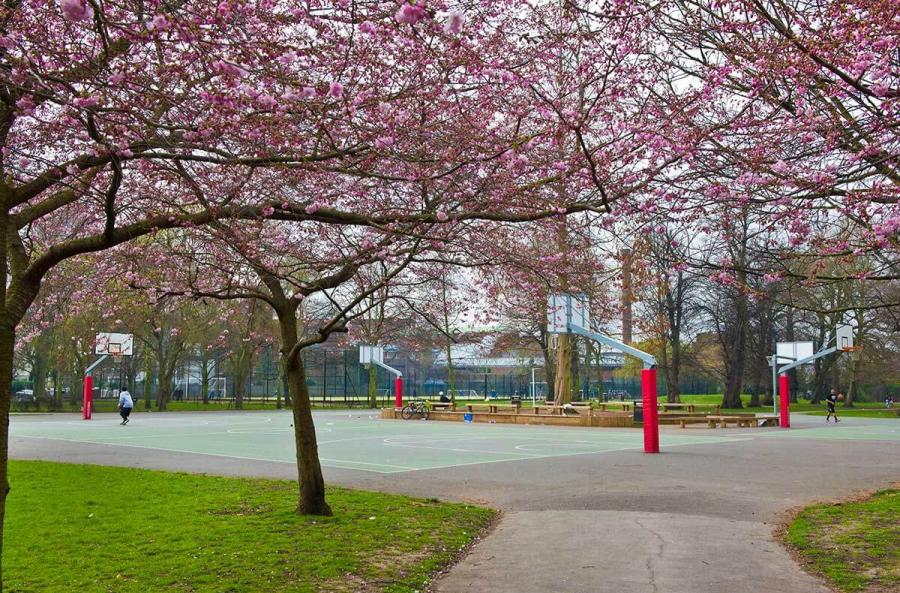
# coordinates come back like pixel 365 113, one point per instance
pixel 495 408
pixel 768 421
pixel 716 407
pixel 449 406
pixel 479 407
pixel 683 422
pixel 740 421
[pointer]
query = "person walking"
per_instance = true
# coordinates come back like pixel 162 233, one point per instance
pixel 831 401
pixel 125 405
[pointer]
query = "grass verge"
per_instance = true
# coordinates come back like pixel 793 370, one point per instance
pixel 856 545
pixel 92 529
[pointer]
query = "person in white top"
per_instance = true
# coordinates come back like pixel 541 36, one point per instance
pixel 125 405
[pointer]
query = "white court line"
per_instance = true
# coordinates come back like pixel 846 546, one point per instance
pixel 475 451
pixel 166 449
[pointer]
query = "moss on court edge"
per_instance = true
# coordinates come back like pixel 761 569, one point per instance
pixel 92 529
pixel 856 545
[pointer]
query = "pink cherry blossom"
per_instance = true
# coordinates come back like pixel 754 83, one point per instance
pixel 76 10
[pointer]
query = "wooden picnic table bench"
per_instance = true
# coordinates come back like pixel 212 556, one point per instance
pixel 553 409
pixel 505 407
pixel 743 420
pixel 740 421
pixel 683 422
pixel 450 406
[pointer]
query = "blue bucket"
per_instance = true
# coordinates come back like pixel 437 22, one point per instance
pixel 467 417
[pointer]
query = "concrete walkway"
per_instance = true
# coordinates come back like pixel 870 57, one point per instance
pixel 627 552
pixel 694 519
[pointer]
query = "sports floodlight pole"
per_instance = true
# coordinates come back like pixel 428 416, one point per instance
pixel 648 383
pixel 87 402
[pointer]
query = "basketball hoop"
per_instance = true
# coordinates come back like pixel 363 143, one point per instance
pixel 851 348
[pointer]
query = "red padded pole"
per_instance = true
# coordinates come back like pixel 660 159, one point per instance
pixel 651 416
pixel 784 392
pixel 88 399
pixel 398 391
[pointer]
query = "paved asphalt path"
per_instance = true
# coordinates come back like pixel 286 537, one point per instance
pixel 693 519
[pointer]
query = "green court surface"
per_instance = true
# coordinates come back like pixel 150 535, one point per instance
pixel 361 441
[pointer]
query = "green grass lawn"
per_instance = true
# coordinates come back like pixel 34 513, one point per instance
pixel 855 545
pixel 862 409
pixel 93 529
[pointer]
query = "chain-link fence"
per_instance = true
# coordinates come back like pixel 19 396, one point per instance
pixel 334 377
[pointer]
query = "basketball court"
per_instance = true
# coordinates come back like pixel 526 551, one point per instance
pixel 363 442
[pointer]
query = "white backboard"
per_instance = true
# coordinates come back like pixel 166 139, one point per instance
pixel 557 308
pixel 789 352
pixel 370 354
pixel 581 315
pixel 563 309
pixel 114 344
pixel 844 337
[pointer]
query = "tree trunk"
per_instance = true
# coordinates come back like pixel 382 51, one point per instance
pixel 7 347
pixel 549 365
pixel 451 378
pixel 373 386
pixel 588 358
pixel 309 470
pixel 40 368
pixel 204 376
pixel 601 394
pixel 754 394
pixel 148 380
pixel 562 384
pixel 57 391
pixel 165 386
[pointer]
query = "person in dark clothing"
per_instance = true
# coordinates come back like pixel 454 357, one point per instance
pixel 830 401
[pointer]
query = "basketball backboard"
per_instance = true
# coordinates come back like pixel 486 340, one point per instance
pixel 557 313
pixel 370 354
pixel 565 309
pixel 114 344
pixel 844 337
pixel 792 351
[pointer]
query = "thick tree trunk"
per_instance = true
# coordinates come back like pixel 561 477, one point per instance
pixel 549 366
pixel 734 371
pixel 7 346
pixel 733 384
pixel 164 393
pixel 754 394
pixel 309 470
pixel 562 385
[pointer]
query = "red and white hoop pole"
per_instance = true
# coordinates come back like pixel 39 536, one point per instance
pixel 784 390
pixel 398 392
pixel 651 414
pixel 87 401
pixel 88 398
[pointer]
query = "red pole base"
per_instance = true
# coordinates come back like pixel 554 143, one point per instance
pixel 651 414
pixel 398 391
pixel 784 392
pixel 87 402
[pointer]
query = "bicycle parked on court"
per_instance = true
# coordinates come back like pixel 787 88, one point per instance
pixel 415 408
